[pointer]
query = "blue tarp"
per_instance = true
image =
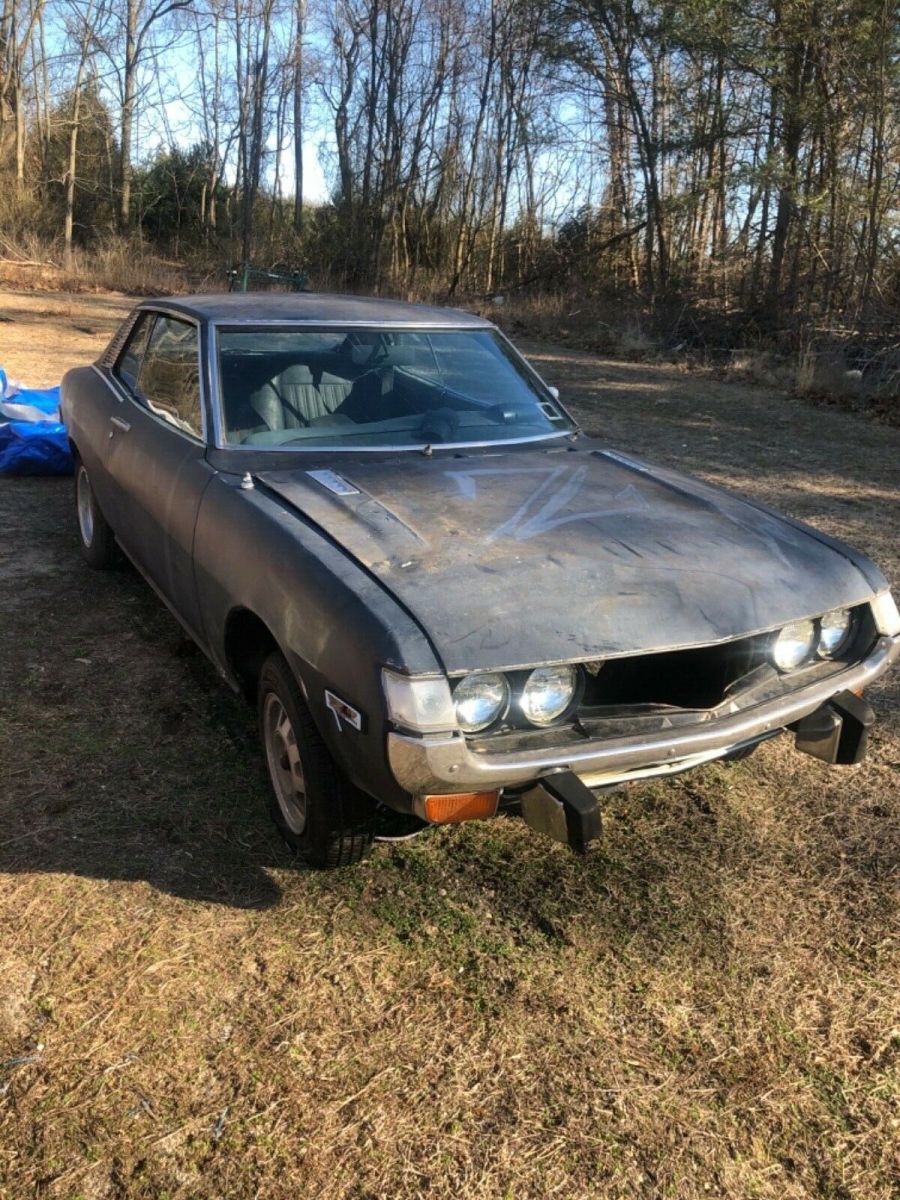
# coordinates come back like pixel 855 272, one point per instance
pixel 32 440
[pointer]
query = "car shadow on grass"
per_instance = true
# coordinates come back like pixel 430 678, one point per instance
pixel 183 831
pixel 122 755
pixel 178 803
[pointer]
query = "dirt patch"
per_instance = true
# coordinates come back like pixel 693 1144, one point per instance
pixel 43 334
pixel 706 1006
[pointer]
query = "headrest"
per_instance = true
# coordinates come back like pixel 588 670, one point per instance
pixel 296 373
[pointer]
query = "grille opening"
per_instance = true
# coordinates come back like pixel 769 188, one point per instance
pixel 695 678
pixel 691 680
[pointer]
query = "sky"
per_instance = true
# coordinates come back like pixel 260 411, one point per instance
pixel 168 113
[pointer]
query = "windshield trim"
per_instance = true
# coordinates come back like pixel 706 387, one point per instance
pixel 220 441
pixel 416 447
pixel 310 323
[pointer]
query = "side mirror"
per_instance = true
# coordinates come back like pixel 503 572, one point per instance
pixel 554 392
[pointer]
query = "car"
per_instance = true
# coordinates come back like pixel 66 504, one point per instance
pixel 443 598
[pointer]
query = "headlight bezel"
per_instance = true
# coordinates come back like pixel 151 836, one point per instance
pixel 858 634
pixel 831 652
pixel 787 665
pixel 500 709
pixel 514 714
pixel 572 699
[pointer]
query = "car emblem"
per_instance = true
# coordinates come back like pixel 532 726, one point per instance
pixel 334 482
pixel 343 712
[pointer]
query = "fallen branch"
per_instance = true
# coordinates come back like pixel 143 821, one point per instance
pixel 28 262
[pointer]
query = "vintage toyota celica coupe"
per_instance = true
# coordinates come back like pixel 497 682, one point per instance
pixel 443 598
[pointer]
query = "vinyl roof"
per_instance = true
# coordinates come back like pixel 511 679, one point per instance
pixel 313 308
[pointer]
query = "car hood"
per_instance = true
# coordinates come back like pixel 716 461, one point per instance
pixel 574 554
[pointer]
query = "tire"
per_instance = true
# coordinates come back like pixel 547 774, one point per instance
pixel 318 812
pixel 98 542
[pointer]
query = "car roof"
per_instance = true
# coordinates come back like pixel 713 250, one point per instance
pixel 320 308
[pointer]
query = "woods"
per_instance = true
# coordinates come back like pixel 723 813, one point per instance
pixel 736 162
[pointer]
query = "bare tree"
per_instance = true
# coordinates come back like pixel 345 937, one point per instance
pixel 129 39
pixel 81 33
pixel 17 25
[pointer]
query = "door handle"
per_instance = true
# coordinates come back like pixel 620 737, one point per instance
pixel 119 424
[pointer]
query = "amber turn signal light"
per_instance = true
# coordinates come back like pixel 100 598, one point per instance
pixel 460 806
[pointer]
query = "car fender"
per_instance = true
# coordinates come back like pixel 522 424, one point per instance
pixel 335 624
pixel 85 410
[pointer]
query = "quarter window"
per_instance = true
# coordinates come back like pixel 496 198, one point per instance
pixel 169 379
pixel 129 365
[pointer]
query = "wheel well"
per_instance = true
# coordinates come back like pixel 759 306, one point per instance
pixel 248 643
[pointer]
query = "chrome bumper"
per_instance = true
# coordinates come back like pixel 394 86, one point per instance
pixel 446 763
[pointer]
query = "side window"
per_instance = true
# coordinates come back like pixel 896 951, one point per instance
pixel 169 379
pixel 128 365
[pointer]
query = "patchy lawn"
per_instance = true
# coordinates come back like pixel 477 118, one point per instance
pixel 705 1007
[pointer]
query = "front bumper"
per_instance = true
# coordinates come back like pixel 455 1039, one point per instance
pixel 447 763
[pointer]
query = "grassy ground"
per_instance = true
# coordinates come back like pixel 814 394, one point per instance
pixel 705 1007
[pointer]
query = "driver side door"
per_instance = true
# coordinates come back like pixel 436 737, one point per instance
pixel 157 460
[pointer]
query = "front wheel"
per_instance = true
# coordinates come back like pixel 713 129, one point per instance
pixel 318 812
pixel 98 542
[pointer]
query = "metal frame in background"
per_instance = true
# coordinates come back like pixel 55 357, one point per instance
pixel 240 278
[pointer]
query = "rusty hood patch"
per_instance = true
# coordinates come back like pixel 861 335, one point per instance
pixel 519 558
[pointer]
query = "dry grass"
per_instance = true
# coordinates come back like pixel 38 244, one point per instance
pixel 706 1007
pixel 821 377
pixel 123 267
pixel 760 367
pixel 811 373
pixel 565 319
pixel 114 265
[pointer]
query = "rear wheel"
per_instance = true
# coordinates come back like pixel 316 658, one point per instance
pixel 318 812
pixel 98 542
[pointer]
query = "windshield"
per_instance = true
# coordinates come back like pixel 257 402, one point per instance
pixel 344 388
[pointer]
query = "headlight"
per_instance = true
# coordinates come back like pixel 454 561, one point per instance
pixel 794 645
pixel 548 692
pixel 479 700
pixel 834 628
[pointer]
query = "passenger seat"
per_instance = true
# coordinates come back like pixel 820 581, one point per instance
pixel 297 398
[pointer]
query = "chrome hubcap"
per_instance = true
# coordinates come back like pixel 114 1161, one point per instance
pixel 85 504
pixel 283 759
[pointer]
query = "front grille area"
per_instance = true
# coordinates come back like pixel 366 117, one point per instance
pixel 681 685
pixel 696 678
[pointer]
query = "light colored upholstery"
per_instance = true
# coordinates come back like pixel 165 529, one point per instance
pixel 295 398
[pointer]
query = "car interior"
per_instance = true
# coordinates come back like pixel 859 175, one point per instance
pixel 362 384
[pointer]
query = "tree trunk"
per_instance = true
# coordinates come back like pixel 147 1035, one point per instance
pixel 298 117
pixel 128 93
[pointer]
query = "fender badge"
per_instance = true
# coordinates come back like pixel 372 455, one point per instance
pixel 343 712
pixel 334 482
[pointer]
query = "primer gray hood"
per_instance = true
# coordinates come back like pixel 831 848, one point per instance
pixel 562 555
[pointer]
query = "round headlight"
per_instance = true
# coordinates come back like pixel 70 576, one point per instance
pixel 794 645
pixel 479 700
pixel 548 692
pixel 833 630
